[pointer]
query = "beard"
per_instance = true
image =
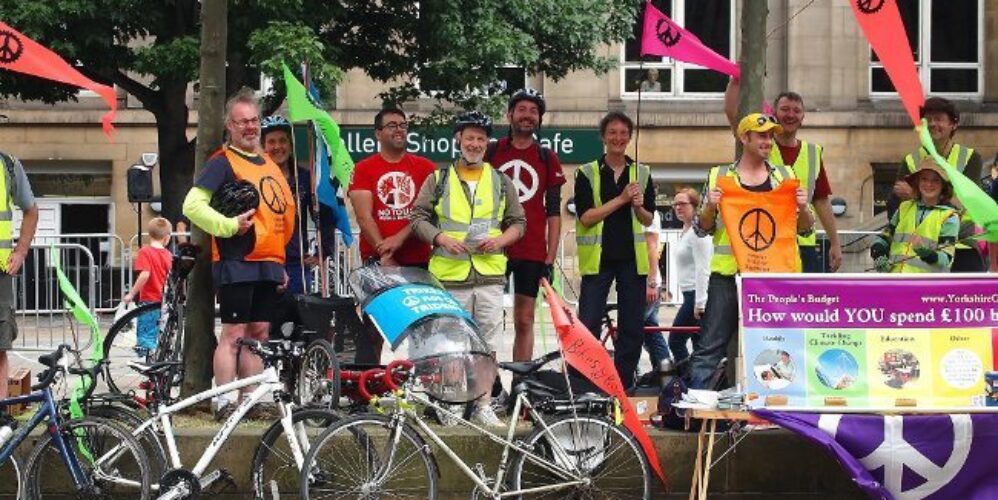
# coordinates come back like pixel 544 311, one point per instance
pixel 471 157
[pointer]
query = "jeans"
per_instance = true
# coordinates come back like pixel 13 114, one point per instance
pixel 719 326
pixel 630 311
pixel 684 317
pixel 654 342
pixel 809 260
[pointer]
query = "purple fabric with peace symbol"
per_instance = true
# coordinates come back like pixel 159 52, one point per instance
pixel 914 456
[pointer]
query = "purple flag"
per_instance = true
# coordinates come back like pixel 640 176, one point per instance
pixel 939 457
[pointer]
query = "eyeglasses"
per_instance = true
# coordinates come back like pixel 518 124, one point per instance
pixel 680 203
pixel 246 122
pixel 393 126
pixel 765 118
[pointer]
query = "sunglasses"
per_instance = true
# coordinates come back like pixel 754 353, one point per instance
pixel 765 118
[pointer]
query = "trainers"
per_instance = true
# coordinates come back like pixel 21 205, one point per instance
pixel 225 411
pixel 486 416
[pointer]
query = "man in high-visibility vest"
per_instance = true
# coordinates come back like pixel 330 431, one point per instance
pixel 754 172
pixel 808 163
pixel 14 191
pixel 470 212
pixel 943 119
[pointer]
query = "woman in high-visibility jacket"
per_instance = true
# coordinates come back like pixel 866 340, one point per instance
pixel 922 233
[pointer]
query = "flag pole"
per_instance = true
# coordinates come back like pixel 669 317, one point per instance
pixel 637 120
pixel 323 279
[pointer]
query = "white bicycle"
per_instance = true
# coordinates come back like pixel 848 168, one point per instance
pixel 275 465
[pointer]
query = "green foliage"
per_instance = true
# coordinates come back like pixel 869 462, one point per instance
pixel 282 41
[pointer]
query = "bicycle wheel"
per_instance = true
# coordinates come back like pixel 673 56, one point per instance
pixel 112 461
pixel 10 479
pixel 358 458
pixel 318 382
pixel 170 345
pixel 274 468
pixel 119 347
pixel 130 419
pixel 603 453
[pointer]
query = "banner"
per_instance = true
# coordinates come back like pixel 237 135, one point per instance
pixel 869 341
pixel 301 108
pixel 396 309
pixel 584 353
pixel 881 23
pixel 23 55
pixel 660 36
pixel 982 207
pixel 762 227
pixel 906 457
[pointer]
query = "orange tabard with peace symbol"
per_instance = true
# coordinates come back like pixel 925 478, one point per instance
pixel 762 226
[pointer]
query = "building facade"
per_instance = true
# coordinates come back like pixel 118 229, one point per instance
pixel 814 48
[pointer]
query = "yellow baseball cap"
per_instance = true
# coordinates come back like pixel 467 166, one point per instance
pixel 758 122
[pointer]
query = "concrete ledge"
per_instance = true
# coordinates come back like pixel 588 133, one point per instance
pixel 766 464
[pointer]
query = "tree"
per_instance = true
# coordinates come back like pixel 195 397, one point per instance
pixel 150 48
pixel 198 348
pixel 753 61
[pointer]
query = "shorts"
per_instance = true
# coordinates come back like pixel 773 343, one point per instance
pixel 147 330
pixel 8 325
pixel 251 302
pixel 527 276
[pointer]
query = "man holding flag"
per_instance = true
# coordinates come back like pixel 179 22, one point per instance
pixel 753 172
pixel 943 119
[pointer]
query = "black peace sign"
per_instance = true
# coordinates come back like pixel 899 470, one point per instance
pixel 870 6
pixel 665 33
pixel 10 47
pixel 757 229
pixel 272 195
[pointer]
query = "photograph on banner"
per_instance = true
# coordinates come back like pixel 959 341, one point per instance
pixel 869 342
pixel 777 365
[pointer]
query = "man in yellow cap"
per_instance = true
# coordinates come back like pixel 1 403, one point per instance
pixel 753 172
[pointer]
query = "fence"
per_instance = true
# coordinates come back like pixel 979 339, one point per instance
pixel 42 317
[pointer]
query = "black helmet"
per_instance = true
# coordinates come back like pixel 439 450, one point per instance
pixel 473 119
pixel 234 198
pixel 527 94
pixel 272 123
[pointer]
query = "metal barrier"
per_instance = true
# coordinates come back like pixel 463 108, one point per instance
pixel 43 320
pixel 111 258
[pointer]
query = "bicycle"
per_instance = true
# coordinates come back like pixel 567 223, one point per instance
pixel 382 455
pixel 101 459
pixel 179 482
pixel 122 338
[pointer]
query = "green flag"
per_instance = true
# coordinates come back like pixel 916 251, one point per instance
pixel 979 205
pixel 301 108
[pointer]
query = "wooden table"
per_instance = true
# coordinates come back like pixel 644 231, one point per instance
pixel 708 429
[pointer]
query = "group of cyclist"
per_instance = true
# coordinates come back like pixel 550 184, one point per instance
pixel 474 225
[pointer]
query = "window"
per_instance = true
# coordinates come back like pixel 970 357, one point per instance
pixel 884 176
pixel 712 21
pixel 946 38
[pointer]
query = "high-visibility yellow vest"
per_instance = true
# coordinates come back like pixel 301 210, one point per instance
pixel 458 216
pixel 806 168
pixel 723 262
pixel 6 214
pixel 589 240
pixel 907 237
pixel 959 156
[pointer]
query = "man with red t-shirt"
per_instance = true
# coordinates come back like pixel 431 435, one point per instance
pixel 382 193
pixel 536 173
pixel 808 164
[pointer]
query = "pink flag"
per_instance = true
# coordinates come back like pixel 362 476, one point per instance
pixel 662 37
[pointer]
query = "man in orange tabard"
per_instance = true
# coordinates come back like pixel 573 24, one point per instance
pixel 247 250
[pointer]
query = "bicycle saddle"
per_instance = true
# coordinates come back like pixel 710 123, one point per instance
pixel 528 367
pixel 155 368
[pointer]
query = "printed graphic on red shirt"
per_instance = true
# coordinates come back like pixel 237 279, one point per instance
pixel 393 187
pixel 532 177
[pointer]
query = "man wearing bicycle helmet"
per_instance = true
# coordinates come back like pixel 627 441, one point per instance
pixel 470 213
pixel 537 175
pixel 247 249
pixel 275 136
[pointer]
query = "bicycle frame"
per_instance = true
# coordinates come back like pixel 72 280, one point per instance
pixel 269 383
pixel 406 412
pixel 48 411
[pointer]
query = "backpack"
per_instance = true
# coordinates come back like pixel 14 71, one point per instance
pixel 672 392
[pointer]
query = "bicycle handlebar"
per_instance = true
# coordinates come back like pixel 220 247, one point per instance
pixel 55 361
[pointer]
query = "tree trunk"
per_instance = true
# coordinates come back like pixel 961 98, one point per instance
pixel 753 64
pixel 176 164
pixel 200 339
pixel 753 60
